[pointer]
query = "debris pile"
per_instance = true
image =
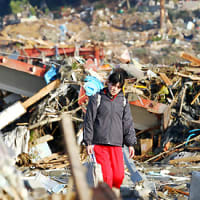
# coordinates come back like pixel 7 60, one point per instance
pixel 56 64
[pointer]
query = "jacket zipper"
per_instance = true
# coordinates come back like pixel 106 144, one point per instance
pixel 110 120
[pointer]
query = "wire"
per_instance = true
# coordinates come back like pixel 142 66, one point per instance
pixel 193 134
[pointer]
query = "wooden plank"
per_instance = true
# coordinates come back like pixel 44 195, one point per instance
pixel 195 98
pixel 164 77
pixel 172 190
pixel 162 16
pixel 47 159
pixel 43 92
pixel 79 177
pixel 182 99
pixel 146 130
pixel 190 58
pixel 194 78
pixel 186 159
pixel 194 70
pixel 60 160
pixel 193 148
pixel 43 139
pixel 11 113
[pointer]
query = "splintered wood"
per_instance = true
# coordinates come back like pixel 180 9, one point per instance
pixel 186 159
pixel 174 190
pixel 55 161
pixel 192 59
pixel 84 193
pixel 167 81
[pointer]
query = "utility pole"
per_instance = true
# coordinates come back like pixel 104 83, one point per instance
pixel 128 4
pixel 162 16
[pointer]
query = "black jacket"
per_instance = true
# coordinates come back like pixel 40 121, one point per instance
pixel 110 123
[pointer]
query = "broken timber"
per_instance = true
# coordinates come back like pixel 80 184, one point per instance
pixel 165 79
pixel 102 191
pixel 170 189
pixel 194 78
pixel 187 159
pixel 79 177
pixel 195 98
pixel 194 60
pixel 165 152
pixel 56 119
pixel 18 109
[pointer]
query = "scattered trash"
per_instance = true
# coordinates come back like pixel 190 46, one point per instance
pixel 49 70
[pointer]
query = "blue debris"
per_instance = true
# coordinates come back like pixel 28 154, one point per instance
pixel 14 55
pixel 192 134
pixel 51 74
pixel 92 85
pixel 135 175
pixel 63 31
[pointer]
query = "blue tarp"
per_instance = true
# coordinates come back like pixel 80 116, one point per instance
pixel 92 85
pixel 51 74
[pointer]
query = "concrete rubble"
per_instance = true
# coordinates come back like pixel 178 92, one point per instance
pixel 49 67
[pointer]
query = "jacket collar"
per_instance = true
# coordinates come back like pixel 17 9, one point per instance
pixel 106 92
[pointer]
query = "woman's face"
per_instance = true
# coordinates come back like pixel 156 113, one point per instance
pixel 114 89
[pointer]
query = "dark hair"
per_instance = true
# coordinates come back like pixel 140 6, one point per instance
pixel 118 76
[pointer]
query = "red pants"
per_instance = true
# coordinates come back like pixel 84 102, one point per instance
pixel 112 163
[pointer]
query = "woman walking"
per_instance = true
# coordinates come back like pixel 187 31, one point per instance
pixel 108 125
